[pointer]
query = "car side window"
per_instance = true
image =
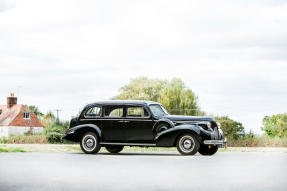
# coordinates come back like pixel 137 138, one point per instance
pixel 114 111
pixel 93 112
pixel 136 111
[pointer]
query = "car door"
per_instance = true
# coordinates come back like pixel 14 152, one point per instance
pixel 92 115
pixel 138 124
pixel 112 123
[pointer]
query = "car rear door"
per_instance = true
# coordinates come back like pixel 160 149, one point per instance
pixel 112 123
pixel 138 124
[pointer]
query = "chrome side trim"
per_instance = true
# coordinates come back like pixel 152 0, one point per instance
pixel 191 122
pixel 129 144
pixel 126 119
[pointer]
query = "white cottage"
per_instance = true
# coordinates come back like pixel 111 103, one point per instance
pixel 17 119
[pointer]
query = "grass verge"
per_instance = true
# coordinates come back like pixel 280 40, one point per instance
pixel 260 141
pixel 4 149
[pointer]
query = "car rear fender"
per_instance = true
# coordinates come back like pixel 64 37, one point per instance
pixel 80 130
pixel 168 138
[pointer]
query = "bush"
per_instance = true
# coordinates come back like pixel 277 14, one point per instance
pixel 254 141
pixel 230 127
pixel 55 132
pixel 3 140
pixel 28 139
pixel 276 125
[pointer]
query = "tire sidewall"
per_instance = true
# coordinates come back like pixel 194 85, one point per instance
pixel 204 150
pixel 195 142
pixel 97 143
pixel 114 148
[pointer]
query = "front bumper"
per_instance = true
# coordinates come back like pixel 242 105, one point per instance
pixel 216 138
pixel 219 143
pixel 69 137
pixel 64 138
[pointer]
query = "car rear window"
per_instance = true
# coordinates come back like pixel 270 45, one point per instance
pixel 136 111
pixel 93 112
pixel 113 111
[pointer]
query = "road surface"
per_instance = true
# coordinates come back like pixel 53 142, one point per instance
pixel 143 171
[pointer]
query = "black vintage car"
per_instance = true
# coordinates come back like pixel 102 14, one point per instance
pixel 115 124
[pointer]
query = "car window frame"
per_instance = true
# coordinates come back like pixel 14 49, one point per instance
pixel 91 117
pixel 161 106
pixel 136 105
pixel 113 117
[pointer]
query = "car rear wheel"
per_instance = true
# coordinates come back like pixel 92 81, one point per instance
pixel 114 148
pixel 90 143
pixel 208 149
pixel 187 144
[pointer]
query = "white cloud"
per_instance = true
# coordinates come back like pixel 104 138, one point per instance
pixel 68 53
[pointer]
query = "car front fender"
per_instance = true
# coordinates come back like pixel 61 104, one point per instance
pixel 164 120
pixel 168 138
pixel 75 133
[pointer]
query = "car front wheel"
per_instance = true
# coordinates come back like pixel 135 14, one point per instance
pixel 187 144
pixel 114 148
pixel 208 150
pixel 90 143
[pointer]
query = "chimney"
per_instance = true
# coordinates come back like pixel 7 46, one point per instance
pixel 11 100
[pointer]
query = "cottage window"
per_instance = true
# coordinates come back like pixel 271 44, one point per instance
pixel 26 115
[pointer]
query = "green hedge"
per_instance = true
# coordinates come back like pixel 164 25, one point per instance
pixel 55 132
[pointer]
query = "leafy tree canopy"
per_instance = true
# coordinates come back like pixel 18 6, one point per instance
pixel 173 94
pixel 141 88
pixel 35 110
pixel 230 128
pixel 178 99
pixel 48 119
pixel 275 125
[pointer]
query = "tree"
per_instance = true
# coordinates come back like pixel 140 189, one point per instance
pixel 276 125
pixel 48 119
pixel 230 128
pixel 35 110
pixel 178 99
pixel 174 95
pixel 141 88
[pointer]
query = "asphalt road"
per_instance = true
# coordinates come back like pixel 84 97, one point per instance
pixel 143 171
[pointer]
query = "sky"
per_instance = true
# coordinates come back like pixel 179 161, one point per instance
pixel 65 54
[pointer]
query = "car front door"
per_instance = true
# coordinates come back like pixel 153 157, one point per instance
pixel 138 124
pixel 113 123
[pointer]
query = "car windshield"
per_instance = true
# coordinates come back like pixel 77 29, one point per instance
pixel 158 110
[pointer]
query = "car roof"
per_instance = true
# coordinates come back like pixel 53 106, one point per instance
pixel 124 102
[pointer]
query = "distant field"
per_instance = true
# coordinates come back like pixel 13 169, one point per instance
pixel 66 148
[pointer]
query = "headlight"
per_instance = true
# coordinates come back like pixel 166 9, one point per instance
pixel 209 125
pixel 218 124
pixel 70 131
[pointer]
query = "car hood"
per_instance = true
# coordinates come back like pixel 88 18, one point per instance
pixel 187 118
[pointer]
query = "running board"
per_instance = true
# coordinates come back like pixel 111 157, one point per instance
pixel 129 144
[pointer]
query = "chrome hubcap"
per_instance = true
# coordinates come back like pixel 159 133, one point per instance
pixel 186 143
pixel 89 142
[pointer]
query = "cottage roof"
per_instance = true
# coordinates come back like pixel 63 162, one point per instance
pixel 9 114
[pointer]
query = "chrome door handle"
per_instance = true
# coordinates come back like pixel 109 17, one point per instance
pixel 123 121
